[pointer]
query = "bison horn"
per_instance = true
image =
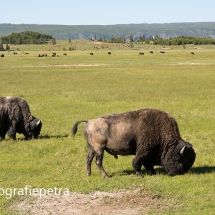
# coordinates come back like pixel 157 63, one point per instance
pixel 38 123
pixel 182 151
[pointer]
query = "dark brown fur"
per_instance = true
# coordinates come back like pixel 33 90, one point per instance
pixel 149 134
pixel 15 117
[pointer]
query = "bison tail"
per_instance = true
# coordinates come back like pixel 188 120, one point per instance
pixel 75 127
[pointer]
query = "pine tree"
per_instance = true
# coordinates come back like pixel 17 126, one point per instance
pixel 131 40
pixel 7 47
pixel 53 41
pixel 1 47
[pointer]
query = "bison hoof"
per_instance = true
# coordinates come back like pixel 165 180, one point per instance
pixel 138 174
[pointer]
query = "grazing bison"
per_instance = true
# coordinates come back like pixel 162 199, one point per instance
pixel 2 55
pixel 149 134
pixel 192 53
pixel 42 55
pixel 162 52
pixel 15 117
pixel 141 53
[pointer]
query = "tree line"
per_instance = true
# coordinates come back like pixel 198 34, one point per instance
pixel 157 40
pixel 25 37
pixel 31 37
pixel 183 40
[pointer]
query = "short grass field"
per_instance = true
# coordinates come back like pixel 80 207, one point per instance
pixel 61 90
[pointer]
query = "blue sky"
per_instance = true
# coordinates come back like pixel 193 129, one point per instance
pixel 99 12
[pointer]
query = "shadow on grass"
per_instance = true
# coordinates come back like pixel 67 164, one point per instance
pixel 52 136
pixel 194 170
pixel 39 137
pixel 203 169
pixel 143 172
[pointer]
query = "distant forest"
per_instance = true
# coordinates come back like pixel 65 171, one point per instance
pixel 31 37
pixel 157 40
pixel 183 40
pixel 26 37
pixel 86 32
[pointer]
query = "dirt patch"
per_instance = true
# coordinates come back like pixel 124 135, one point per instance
pixel 103 203
pixel 70 65
pixel 76 65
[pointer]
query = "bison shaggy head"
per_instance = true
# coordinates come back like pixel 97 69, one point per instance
pixel 179 160
pixel 33 128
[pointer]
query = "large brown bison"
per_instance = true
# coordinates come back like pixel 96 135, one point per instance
pixel 15 117
pixel 150 134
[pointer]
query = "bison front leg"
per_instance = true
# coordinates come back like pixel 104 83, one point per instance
pixel 12 131
pixel 3 132
pixel 89 159
pixel 150 168
pixel 99 158
pixel 137 164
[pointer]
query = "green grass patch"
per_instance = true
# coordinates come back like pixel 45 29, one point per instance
pixel 61 90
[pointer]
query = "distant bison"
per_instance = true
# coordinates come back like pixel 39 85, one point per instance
pixel 109 52
pixel 141 53
pixel 91 53
pixel 2 55
pixel 149 134
pixel 15 117
pixel 192 53
pixel 42 55
pixel 162 52
pixel 151 52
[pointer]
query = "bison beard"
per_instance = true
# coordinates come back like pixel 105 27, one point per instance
pixel 149 134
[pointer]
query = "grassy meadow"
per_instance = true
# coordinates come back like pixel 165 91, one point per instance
pixel 61 90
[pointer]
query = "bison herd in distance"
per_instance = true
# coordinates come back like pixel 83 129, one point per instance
pixel 151 135
pixel 54 54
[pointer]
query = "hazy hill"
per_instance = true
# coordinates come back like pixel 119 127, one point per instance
pixel 65 32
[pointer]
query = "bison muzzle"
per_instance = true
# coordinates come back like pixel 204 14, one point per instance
pixel 150 134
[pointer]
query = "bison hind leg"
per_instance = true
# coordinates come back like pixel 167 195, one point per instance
pixel 89 159
pixel 99 158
